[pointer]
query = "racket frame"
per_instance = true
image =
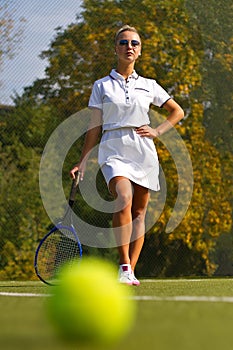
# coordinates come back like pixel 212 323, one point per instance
pixel 59 226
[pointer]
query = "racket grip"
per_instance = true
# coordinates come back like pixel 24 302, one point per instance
pixel 74 186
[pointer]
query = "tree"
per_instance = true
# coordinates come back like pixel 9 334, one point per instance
pixel 22 217
pixel 11 31
pixel 217 74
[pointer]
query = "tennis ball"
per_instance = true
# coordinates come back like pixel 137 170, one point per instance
pixel 90 305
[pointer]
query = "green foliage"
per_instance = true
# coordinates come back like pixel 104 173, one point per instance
pixel 22 218
pixel 217 74
pixel 11 31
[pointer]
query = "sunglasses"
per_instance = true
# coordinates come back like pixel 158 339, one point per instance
pixel 124 42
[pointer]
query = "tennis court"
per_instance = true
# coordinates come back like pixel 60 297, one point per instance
pixel 182 314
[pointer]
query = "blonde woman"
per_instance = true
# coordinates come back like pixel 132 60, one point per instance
pixel 127 155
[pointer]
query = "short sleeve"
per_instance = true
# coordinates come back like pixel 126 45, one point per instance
pixel 160 95
pixel 96 100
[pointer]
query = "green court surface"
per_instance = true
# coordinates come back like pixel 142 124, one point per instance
pixel 173 314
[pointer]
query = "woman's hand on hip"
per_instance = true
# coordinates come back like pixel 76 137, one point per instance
pixel 146 131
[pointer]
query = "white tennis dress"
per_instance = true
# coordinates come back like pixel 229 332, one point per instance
pixel 125 106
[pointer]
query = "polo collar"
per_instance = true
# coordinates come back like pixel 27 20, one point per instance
pixel 117 76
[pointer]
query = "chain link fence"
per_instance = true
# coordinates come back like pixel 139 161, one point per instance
pixel 25 131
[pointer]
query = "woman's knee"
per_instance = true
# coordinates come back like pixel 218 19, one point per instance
pixel 123 193
pixel 124 201
pixel 139 216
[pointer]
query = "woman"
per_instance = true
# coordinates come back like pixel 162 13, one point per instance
pixel 127 156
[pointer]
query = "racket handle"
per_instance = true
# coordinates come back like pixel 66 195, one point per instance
pixel 74 187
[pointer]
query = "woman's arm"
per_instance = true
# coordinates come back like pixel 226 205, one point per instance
pixel 90 141
pixel 176 113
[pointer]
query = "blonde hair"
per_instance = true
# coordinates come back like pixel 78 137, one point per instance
pixel 125 28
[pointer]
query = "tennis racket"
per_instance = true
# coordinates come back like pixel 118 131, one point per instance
pixel 60 245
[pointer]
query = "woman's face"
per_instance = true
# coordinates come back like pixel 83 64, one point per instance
pixel 128 46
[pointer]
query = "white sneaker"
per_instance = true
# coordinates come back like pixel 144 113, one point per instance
pixel 125 274
pixel 135 281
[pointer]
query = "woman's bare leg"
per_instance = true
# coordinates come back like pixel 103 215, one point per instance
pixel 139 207
pixel 122 190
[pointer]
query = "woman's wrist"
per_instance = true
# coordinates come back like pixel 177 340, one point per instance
pixel 163 128
pixel 156 132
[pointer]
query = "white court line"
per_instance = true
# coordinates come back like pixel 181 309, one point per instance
pixel 210 299
pixel 11 294
pixel 185 280
pixel 190 298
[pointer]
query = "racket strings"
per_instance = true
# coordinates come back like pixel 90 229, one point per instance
pixel 60 247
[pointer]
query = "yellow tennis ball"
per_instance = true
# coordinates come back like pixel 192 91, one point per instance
pixel 90 305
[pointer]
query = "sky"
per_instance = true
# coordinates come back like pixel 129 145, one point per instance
pixel 42 17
